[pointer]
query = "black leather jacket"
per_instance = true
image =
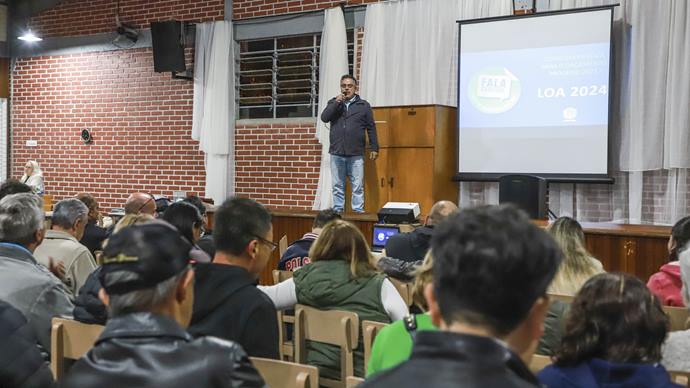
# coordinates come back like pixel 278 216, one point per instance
pixel 444 359
pixel 148 350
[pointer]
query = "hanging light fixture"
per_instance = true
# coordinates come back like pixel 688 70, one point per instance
pixel 29 36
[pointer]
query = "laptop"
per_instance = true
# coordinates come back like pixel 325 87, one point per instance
pixel 380 236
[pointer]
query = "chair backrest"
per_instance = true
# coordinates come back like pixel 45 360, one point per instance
pixel 405 290
pixel 369 331
pixel 539 362
pixel 340 328
pixel 279 276
pixel 47 202
pixel 286 374
pixel 286 347
pixel 678 317
pixel 563 298
pixel 70 339
pixel 680 377
pixel 353 381
pixel 282 245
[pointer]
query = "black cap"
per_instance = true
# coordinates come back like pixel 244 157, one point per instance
pixel 155 252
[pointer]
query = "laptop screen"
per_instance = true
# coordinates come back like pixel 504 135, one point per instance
pixel 381 235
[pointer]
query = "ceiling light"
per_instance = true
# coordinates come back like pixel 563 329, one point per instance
pixel 30 37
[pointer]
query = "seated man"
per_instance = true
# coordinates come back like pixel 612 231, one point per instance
pixel 138 203
pixel 297 254
pixel 147 286
pixel 24 283
pixel 228 304
pixel 61 243
pixel 206 241
pixel 412 246
pixel 94 235
pixel 490 273
pixel 13 186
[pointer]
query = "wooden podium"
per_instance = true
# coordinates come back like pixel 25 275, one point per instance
pixel 416 159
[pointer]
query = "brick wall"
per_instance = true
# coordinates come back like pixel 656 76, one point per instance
pixel 80 17
pixel 244 9
pixel 141 124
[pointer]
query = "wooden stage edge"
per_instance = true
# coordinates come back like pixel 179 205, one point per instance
pixel 636 249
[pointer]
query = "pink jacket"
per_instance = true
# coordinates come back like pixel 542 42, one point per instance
pixel 666 285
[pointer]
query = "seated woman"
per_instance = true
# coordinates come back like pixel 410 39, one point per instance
pixel 33 177
pixel 393 344
pixel 190 223
pixel 339 277
pixel 676 350
pixel 666 283
pixel 613 337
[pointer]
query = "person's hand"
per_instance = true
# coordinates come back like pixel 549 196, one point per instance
pixel 373 155
pixel 339 98
pixel 57 268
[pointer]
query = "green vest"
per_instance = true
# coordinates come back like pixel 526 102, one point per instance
pixel 328 285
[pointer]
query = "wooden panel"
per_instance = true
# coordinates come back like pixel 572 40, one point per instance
pixel 445 159
pixel 383 129
pixel 650 254
pixel 412 126
pixel 608 249
pixel 376 192
pixel 4 78
pixel 413 176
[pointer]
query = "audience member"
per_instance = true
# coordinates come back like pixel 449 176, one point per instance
pixel 189 222
pixel 61 243
pixel 577 265
pixel 206 241
pixel 413 246
pixel 138 203
pixel 13 186
pixel 491 269
pixel 613 337
pixel 398 269
pixel 666 283
pixel 297 254
pixel 676 349
pixel 393 343
pixel 21 362
pixel 147 286
pixel 94 235
pixel 88 307
pixel 228 304
pixel 24 283
pixel 340 277
pixel 33 177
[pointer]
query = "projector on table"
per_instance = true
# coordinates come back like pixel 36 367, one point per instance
pixel 398 213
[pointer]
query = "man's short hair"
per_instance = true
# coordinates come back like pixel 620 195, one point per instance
pixel 68 211
pixel 21 216
pixel 237 222
pixel 490 266
pixel 348 76
pixel 440 211
pixel 13 186
pixel 325 216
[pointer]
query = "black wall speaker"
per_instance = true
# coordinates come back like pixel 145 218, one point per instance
pixel 168 47
pixel 527 192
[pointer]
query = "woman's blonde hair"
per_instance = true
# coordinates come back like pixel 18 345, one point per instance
pixel 577 265
pixel 423 275
pixel 341 240
pixel 132 219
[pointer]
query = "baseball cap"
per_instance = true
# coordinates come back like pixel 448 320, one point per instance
pixel 154 252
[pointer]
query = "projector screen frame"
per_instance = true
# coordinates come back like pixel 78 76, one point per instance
pixel 550 177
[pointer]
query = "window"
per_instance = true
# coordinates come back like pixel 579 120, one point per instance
pixel 279 77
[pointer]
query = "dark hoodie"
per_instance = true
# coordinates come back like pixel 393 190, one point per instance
pixel 604 374
pixel 228 305
pixel 666 285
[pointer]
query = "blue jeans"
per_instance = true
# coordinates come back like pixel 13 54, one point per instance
pixel 352 167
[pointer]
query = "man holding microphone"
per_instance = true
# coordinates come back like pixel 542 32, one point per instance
pixel 349 117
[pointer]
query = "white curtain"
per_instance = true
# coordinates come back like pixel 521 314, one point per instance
pixel 332 65
pixel 213 122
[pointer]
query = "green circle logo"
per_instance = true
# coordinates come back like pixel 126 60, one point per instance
pixel 494 90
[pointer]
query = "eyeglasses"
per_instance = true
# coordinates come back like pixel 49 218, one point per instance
pixel 145 203
pixel 271 244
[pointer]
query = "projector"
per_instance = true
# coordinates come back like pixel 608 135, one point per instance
pixel 399 213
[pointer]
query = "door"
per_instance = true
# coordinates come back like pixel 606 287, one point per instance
pixel 411 176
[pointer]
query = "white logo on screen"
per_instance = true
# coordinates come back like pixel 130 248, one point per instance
pixel 381 237
pixel 494 86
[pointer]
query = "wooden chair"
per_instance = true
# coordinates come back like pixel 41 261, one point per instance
pixel 353 381
pixel 286 374
pixel 47 202
pixel 285 347
pixel 70 339
pixel 680 377
pixel 539 362
pixel 339 328
pixel 282 245
pixel 563 298
pixel 369 331
pixel 678 317
pixel 405 290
